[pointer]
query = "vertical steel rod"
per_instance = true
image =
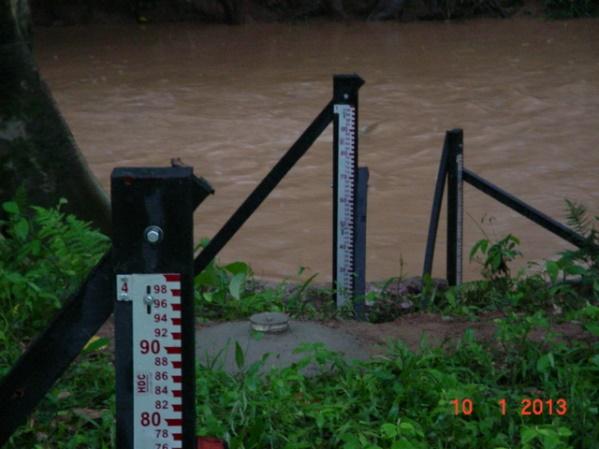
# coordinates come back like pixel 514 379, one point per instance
pixel 455 207
pixel 362 206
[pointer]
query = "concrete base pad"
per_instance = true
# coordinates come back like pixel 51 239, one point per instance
pixel 215 345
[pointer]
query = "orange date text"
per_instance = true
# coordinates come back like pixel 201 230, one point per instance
pixel 526 407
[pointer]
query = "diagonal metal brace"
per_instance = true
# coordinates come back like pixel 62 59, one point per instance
pixel 524 209
pixel 267 185
pixel 55 349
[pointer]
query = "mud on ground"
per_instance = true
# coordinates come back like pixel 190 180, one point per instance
pixel 439 330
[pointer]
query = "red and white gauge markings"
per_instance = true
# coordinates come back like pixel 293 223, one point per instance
pixel 157 358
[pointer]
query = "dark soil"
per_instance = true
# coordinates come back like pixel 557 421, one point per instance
pixel 439 330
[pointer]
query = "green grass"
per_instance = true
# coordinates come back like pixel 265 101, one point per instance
pixel 401 400
pixel 404 400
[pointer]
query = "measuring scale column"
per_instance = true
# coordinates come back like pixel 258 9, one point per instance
pixel 154 320
pixel 345 173
pixel 157 358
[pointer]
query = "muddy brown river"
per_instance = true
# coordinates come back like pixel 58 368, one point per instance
pixel 231 100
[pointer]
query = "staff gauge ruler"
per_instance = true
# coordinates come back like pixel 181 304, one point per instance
pixel 345 173
pixel 157 363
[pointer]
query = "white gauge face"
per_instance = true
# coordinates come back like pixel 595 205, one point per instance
pixel 346 150
pixel 157 352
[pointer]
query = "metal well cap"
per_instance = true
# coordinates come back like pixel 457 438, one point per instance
pixel 270 322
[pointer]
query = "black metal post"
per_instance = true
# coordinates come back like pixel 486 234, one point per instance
pixel 455 206
pixel 362 206
pixel 152 210
pixel 524 209
pixel 436 210
pixel 345 161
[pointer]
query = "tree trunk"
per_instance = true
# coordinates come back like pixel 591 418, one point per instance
pixel 37 149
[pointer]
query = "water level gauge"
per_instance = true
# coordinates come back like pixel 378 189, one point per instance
pixel 157 364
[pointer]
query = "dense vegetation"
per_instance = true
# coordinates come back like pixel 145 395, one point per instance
pixel 401 400
pixel 564 9
pixel 47 12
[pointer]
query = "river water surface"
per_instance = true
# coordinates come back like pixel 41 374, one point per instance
pixel 231 100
